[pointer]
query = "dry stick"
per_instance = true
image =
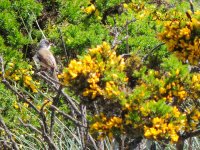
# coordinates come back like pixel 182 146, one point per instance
pixel 48 139
pixel 64 46
pixel 30 126
pixel 26 28
pixel 71 102
pixel 38 26
pixel 151 51
pixel 82 130
pixel 76 122
pixel 93 142
pixel 55 101
pixel 43 117
pixel 118 31
pixel 191 134
pixel 48 79
pixel 14 144
pixel 68 99
pixel 191 6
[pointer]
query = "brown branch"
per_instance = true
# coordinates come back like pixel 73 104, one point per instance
pixel 67 97
pixel 64 47
pixel 43 117
pixel 71 102
pixel 118 30
pixel 191 134
pixel 47 139
pixel 48 79
pixel 55 101
pixel 191 6
pixel 9 134
pixel 30 126
pixel 76 122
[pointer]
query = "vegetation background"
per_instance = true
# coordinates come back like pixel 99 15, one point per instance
pixel 128 74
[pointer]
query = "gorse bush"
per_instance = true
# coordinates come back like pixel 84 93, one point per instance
pixel 129 74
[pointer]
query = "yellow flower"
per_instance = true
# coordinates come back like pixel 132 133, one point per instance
pixel 174 137
pixel 90 9
pixel 162 90
pixel 26 105
pixel 176 112
pixel 147 133
pixel 195 78
pixel 73 74
pixel 157 122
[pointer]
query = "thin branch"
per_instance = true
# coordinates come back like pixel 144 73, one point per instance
pixel 191 6
pixel 76 122
pixel 48 139
pixel 43 117
pixel 64 46
pixel 191 134
pixel 117 31
pixel 38 25
pixel 26 28
pixel 30 126
pixel 71 102
pixel 55 101
pixel 47 78
pixel 68 99
pixel 93 141
pixel 151 51
pixel 14 144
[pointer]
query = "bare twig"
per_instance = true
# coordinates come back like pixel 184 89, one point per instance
pixel 76 122
pixel 38 25
pixel 30 126
pixel 48 79
pixel 191 134
pixel 68 99
pixel 191 6
pixel 117 31
pixel 47 138
pixel 9 134
pixel 64 46
pixel 55 101
pixel 151 51
pixel 43 117
pixel 93 141
pixel 71 102
pixel 29 33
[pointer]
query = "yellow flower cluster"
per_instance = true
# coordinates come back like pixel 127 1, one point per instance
pixel 106 126
pixel 15 73
pixel 164 89
pixel 194 122
pixel 100 63
pixel 183 39
pixel 163 129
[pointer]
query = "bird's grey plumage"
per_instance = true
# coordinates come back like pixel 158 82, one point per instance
pixel 45 57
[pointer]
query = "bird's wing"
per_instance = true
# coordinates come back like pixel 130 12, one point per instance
pixel 47 59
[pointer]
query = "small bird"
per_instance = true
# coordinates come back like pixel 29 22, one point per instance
pixel 45 58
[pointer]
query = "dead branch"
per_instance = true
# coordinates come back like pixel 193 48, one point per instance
pixel 9 134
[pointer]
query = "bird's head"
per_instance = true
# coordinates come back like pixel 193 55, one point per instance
pixel 45 44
